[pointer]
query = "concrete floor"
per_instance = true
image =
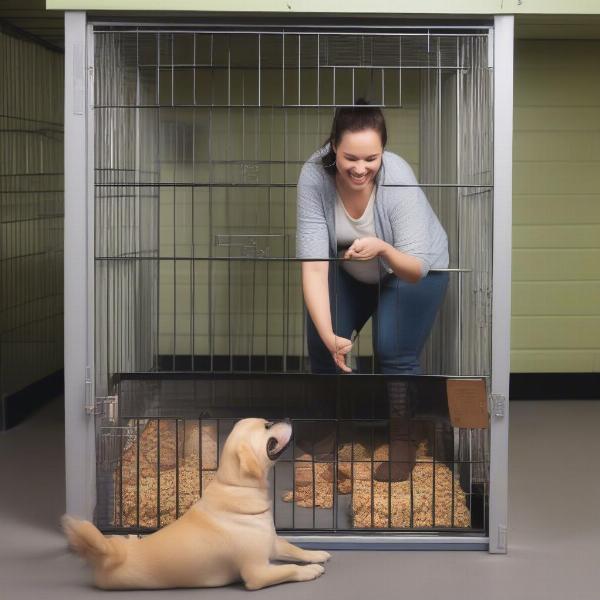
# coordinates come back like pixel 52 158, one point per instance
pixel 554 525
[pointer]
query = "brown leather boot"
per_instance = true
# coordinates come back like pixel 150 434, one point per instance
pixel 402 451
pixel 402 456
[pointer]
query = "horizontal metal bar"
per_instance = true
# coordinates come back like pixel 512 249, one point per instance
pixel 16 118
pixel 5 175
pixel 246 258
pixel 21 192
pixel 276 185
pixel 390 542
pixel 31 255
pixel 245 106
pixel 33 219
pixel 229 28
pixel 226 375
pixel 279 68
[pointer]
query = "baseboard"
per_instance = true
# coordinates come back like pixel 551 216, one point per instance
pixel 555 386
pixel 18 406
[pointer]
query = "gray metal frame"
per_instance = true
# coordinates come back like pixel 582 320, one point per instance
pixel 503 126
pixel 79 296
pixel 79 424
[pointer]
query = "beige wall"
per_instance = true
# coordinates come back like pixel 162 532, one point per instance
pixel 556 226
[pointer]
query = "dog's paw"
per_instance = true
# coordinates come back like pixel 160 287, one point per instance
pixel 308 572
pixel 317 556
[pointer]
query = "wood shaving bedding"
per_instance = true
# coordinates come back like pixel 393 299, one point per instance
pixel 357 478
pixel 354 475
pixel 153 488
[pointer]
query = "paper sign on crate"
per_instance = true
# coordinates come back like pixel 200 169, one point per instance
pixel 467 403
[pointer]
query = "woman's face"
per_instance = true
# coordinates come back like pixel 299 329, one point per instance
pixel 358 158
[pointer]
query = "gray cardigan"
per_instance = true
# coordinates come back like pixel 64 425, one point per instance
pixel 403 216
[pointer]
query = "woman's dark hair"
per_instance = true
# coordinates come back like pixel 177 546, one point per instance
pixel 359 117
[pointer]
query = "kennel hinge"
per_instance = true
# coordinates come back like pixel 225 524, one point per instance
pixel 498 403
pixel 108 407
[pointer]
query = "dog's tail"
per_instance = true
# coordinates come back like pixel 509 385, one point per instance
pixel 87 541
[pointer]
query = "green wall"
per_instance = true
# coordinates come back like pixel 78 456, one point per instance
pixel 556 207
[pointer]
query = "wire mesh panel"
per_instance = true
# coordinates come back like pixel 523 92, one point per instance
pixel 352 439
pixel 200 137
pixel 31 214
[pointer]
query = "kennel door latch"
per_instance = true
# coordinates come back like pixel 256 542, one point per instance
pixel 107 406
pixel 498 405
pixel 89 396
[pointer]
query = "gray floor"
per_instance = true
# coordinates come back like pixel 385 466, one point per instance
pixel 554 538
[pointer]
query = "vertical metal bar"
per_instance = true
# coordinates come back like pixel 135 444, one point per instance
pixel 459 350
pixel 121 481
pixel 79 427
pixel 175 273
pixel 177 468
pixel 200 465
pixel 194 70
pixel 453 505
pixel 294 461
pixel 218 441
pixel 334 468
pixel 193 239
pixel 314 478
pixel 138 253
pixel 158 472
pixel 229 346
pixel 372 472
pixel 158 208
pixel 503 113
pixel 334 103
pixel 318 74
pixel 209 286
pixel 229 71
pixel 172 72
pixel 274 496
pixel 352 438
pixel 137 475
pixel 433 469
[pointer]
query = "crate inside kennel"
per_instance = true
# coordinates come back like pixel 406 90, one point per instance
pixel 370 454
pixel 200 135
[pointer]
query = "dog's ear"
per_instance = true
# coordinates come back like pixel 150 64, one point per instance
pixel 249 464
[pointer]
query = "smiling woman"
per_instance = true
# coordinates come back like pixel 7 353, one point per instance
pixel 361 204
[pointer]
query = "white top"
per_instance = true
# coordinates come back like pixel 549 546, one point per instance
pixel 403 217
pixel 348 229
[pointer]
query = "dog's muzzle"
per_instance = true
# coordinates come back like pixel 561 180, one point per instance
pixel 275 446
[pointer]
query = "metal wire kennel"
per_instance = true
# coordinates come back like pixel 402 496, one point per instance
pixel 199 136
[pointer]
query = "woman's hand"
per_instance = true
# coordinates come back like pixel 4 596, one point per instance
pixel 365 248
pixel 339 347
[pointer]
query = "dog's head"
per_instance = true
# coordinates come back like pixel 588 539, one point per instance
pixel 251 450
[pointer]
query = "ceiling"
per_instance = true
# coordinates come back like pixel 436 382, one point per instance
pixel 30 18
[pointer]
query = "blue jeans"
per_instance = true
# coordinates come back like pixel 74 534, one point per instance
pixel 403 315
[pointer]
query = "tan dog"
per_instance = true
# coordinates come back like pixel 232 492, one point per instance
pixel 227 536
